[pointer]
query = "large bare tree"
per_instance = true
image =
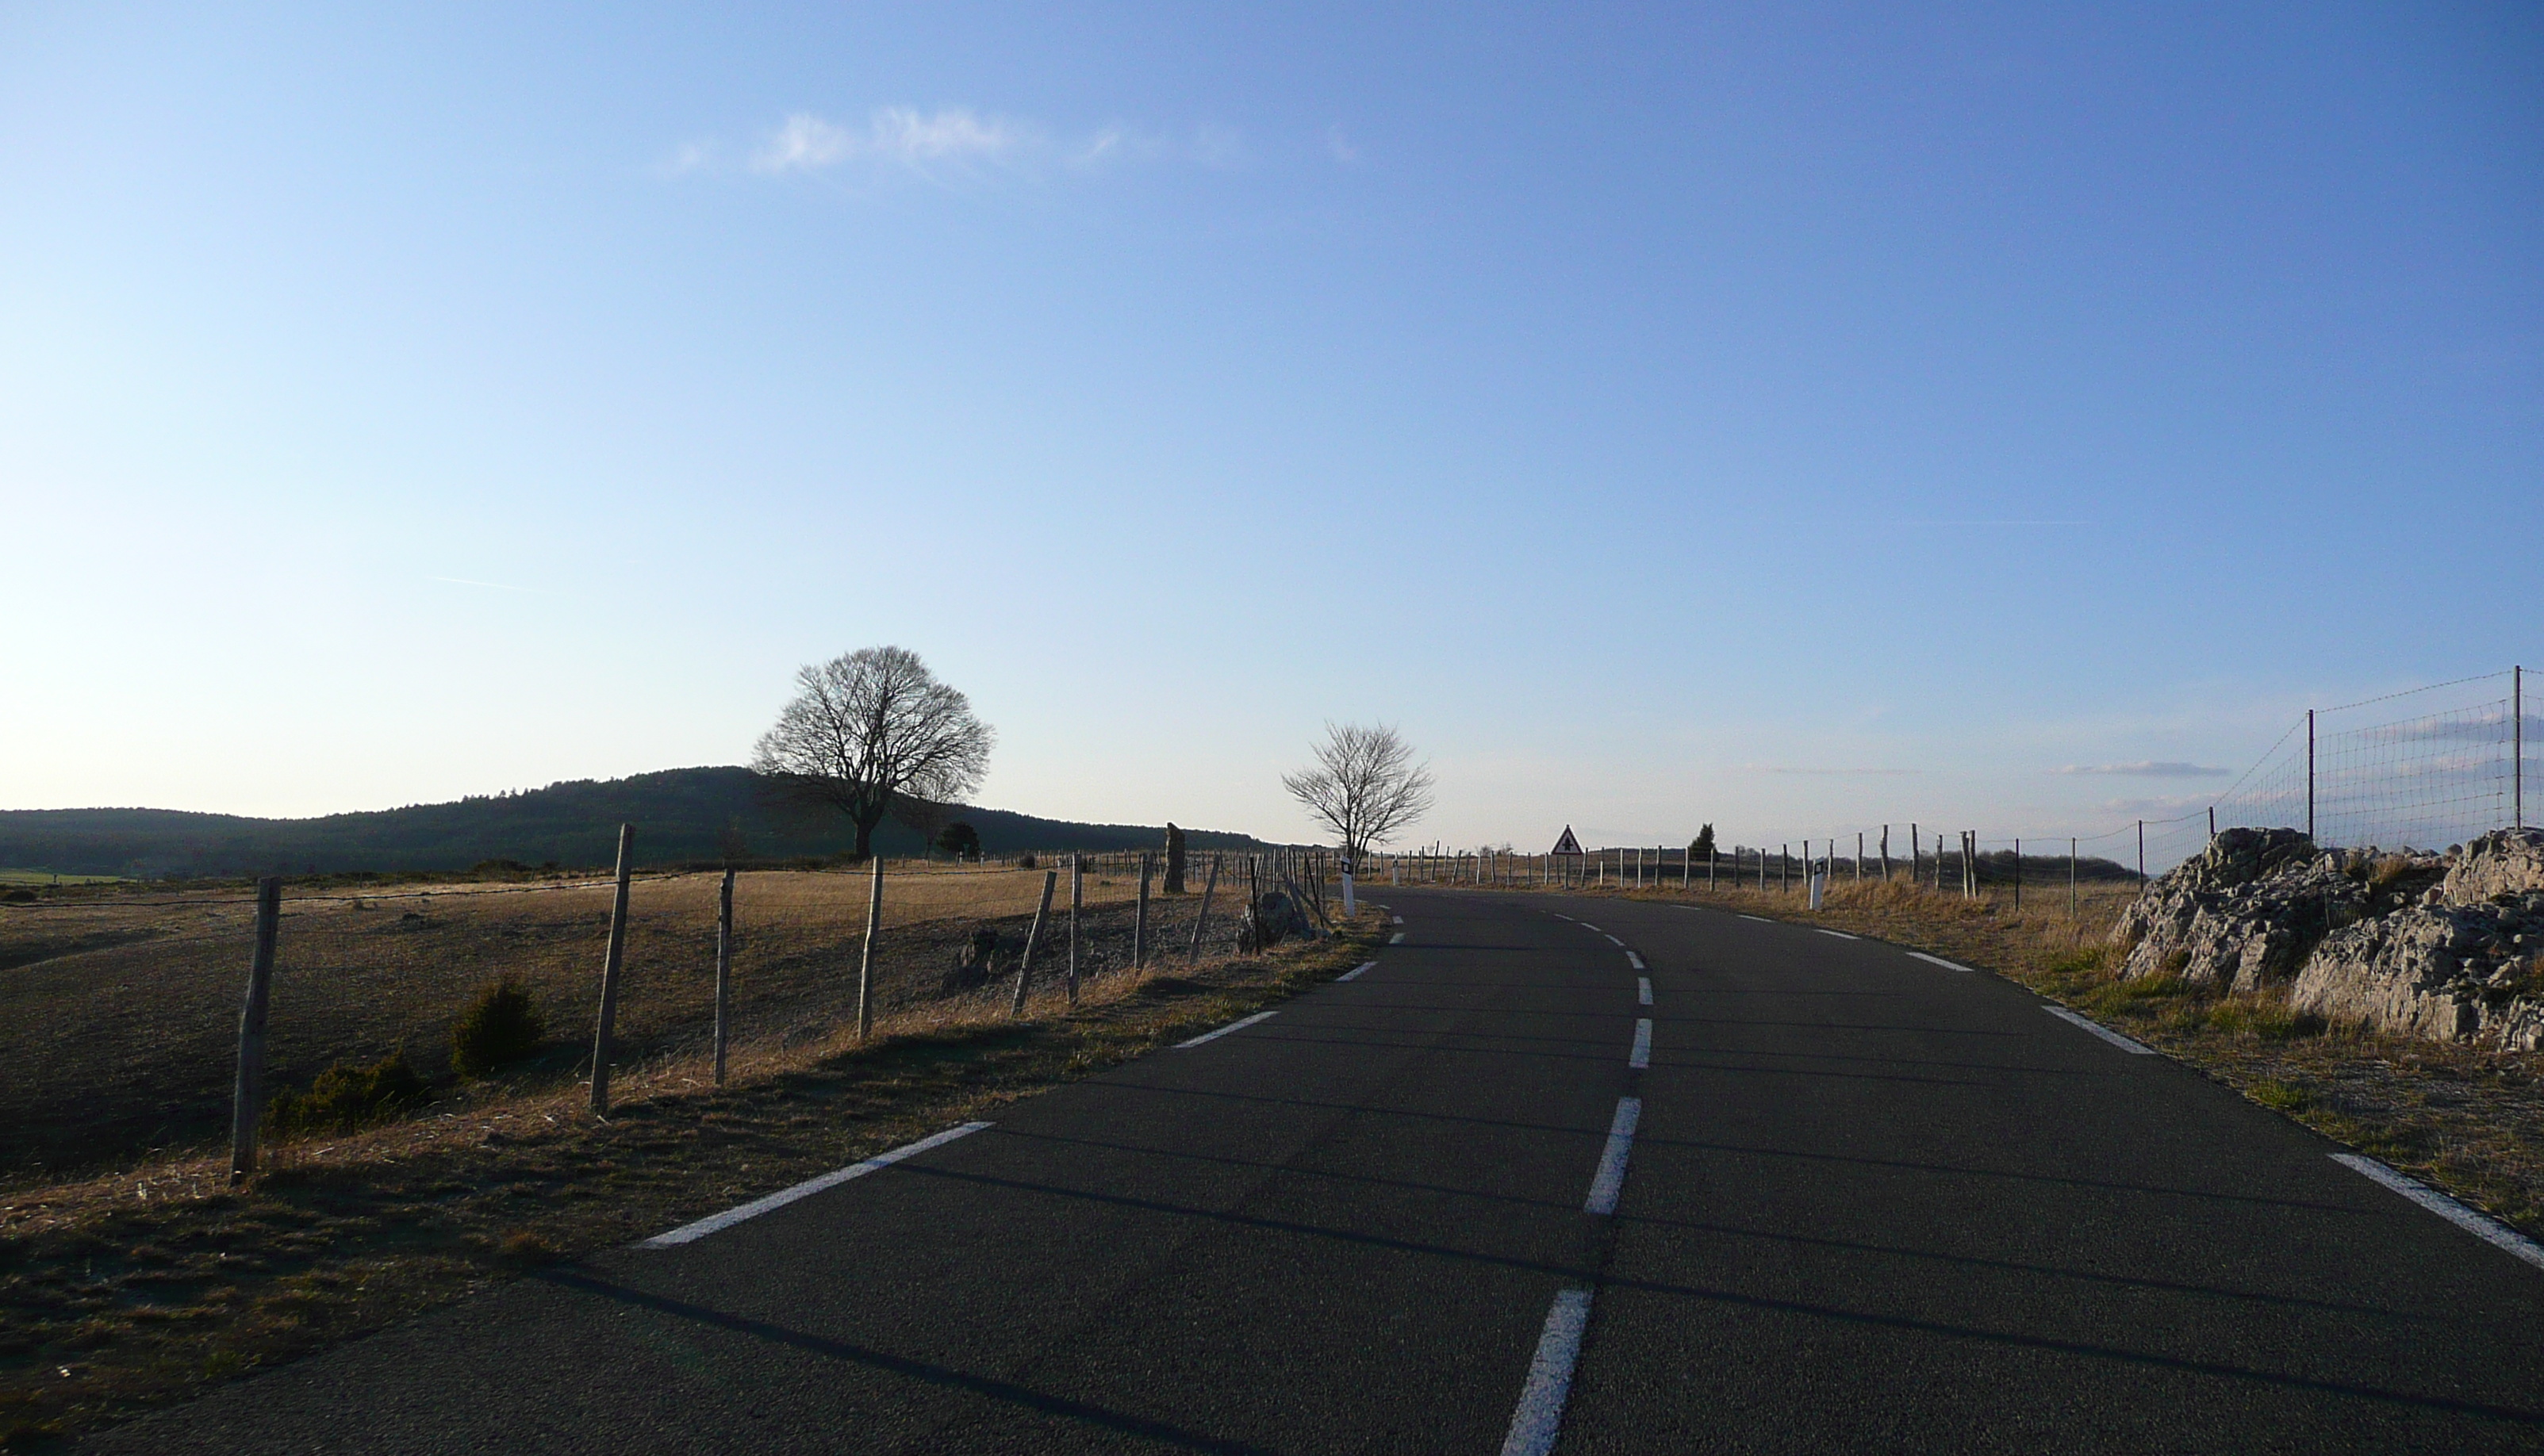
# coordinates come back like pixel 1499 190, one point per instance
pixel 1365 786
pixel 872 732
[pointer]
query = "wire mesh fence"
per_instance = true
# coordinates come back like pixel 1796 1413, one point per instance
pixel 121 1011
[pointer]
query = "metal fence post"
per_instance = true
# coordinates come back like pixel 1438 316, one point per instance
pixel 247 1100
pixel 2309 773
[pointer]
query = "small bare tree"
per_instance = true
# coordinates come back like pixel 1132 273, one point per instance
pixel 871 733
pixel 1365 786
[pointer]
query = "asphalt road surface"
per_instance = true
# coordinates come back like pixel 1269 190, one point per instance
pixel 1851 1199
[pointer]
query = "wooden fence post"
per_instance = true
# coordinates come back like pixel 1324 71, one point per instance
pixel 865 954
pixel 1033 938
pixel 1139 923
pixel 1209 887
pixel 1076 899
pixel 607 1021
pixel 247 1100
pixel 724 975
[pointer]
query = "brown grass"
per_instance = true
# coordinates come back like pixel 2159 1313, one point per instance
pixel 140 1286
pixel 118 1010
pixel 2464 1118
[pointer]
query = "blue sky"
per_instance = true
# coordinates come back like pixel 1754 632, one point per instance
pixel 1785 417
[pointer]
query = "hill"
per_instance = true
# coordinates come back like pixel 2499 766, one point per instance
pixel 681 815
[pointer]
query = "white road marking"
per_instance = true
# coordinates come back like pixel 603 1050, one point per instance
pixel 1938 960
pixel 1397 919
pixel 1643 990
pixel 1586 925
pixel 1539 1416
pixel 1635 960
pixel 1641 1056
pixel 2098 1028
pixel 1761 919
pixel 2480 1226
pixel 1354 972
pixel 1610 1179
pixel 688 1232
pixel 1841 935
pixel 1238 1025
pixel 1612 940
pixel 1397 939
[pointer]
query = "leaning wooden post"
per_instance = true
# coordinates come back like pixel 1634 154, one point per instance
pixel 606 1023
pixel 1033 938
pixel 865 953
pixel 1202 921
pixel 1139 923
pixel 247 1102
pixel 724 975
pixel 1076 899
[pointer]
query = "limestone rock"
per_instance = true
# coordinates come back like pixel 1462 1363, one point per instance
pixel 2242 914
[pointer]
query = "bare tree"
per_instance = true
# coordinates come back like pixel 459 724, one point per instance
pixel 1365 786
pixel 873 732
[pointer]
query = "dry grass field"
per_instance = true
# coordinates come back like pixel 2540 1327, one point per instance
pixel 118 1007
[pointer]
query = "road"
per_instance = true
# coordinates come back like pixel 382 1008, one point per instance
pixel 1860 1200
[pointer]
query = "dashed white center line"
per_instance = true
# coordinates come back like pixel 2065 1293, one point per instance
pixel 2098 1028
pixel 1397 939
pixel 1355 972
pixel 1635 960
pixel 2480 1226
pixel 1586 925
pixel 1610 1179
pixel 688 1232
pixel 1612 940
pixel 1641 1056
pixel 1234 1025
pixel 1841 935
pixel 1396 919
pixel 1540 1416
pixel 1642 989
pixel 1761 919
pixel 1939 960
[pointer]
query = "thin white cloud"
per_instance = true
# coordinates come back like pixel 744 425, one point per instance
pixel 2147 769
pixel 896 136
pixel 1779 768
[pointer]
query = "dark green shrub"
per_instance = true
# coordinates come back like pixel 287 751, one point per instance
pixel 960 840
pixel 347 1095
pixel 503 1026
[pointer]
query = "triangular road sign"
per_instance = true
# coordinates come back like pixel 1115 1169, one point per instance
pixel 1567 845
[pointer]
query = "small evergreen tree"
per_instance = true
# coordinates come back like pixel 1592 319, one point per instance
pixel 1703 846
pixel 960 840
pixel 503 1026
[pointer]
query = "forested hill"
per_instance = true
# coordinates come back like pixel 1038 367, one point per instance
pixel 679 814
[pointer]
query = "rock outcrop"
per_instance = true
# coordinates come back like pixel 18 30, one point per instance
pixel 2464 960
pixel 2443 946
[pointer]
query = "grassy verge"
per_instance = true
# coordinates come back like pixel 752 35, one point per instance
pixel 2464 1118
pixel 131 1291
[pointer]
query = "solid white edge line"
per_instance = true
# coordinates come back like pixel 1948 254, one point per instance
pixel 1761 919
pixel 1540 1415
pixel 2481 1225
pixel 1610 1179
pixel 1635 960
pixel 1397 939
pixel 2135 1048
pixel 689 1232
pixel 1238 1025
pixel 1641 1056
pixel 1355 972
pixel 1938 960
pixel 1642 990
pixel 1841 935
